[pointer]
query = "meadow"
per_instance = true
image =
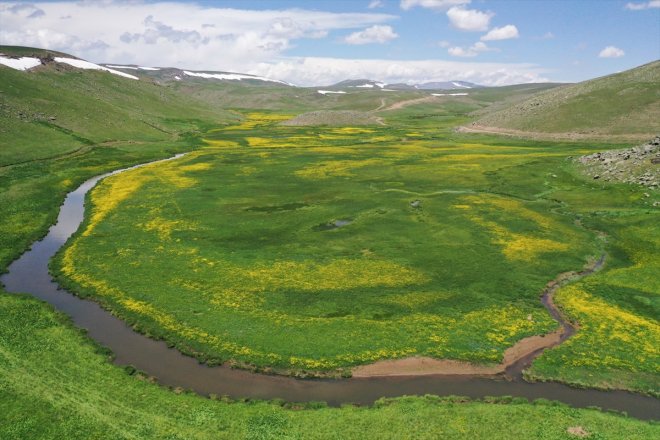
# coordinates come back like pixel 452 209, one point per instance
pixel 518 231
pixel 308 250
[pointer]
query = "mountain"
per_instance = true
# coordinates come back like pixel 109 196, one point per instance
pixel 371 84
pixel 26 58
pixel 358 83
pixel 54 107
pixel 625 104
pixel 447 85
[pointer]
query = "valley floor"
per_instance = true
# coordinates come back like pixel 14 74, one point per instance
pixel 529 214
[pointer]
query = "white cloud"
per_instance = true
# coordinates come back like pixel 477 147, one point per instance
pixel 469 19
pixel 611 52
pixel 376 4
pixel 374 34
pixel 501 33
pixel 440 5
pixel 196 37
pixel 644 5
pixel 177 34
pixel 548 36
pixel 318 71
pixel 471 51
pixel 444 43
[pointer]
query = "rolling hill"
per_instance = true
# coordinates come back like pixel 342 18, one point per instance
pixel 624 106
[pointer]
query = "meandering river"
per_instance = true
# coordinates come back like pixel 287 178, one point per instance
pixel 29 274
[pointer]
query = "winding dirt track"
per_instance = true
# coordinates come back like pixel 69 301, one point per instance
pixel 475 128
pixel 401 104
pixel 516 358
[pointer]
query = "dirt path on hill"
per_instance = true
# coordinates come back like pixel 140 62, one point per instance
pixel 570 136
pixel 516 358
pixel 402 104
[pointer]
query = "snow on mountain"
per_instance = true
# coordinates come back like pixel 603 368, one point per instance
pixel 23 63
pixel 461 85
pixel 131 67
pixel 232 77
pixel 326 92
pixel 82 64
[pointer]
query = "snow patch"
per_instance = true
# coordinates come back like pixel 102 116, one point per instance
pixel 177 77
pixel 121 67
pixel 325 92
pixel 132 67
pixel 23 63
pixel 82 64
pixel 366 86
pixel 449 94
pixel 461 86
pixel 232 77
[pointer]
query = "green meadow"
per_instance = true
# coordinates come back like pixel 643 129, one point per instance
pixel 307 250
pixel 310 249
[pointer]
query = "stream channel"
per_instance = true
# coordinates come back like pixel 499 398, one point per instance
pixel 29 274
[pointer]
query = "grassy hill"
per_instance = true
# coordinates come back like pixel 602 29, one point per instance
pixel 60 126
pixel 55 109
pixel 623 104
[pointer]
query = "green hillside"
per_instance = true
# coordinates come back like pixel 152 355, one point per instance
pixel 626 103
pixel 60 126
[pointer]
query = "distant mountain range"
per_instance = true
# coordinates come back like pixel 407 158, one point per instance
pixel 371 84
pixel 26 58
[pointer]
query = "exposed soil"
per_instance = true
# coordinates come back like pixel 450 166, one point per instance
pixel 515 359
pixel 571 136
pixel 401 104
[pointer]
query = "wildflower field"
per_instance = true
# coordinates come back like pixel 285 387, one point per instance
pixel 322 248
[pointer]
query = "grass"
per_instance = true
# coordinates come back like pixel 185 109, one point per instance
pixel 617 343
pixel 227 269
pixel 625 103
pixel 55 384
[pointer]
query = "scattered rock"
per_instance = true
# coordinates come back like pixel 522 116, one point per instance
pixel 415 204
pixel 634 165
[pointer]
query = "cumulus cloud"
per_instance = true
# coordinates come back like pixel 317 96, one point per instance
pixel 374 34
pixel 501 33
pixel 471 20
pixel 198 37
pixel 315 71
pixel 440 5
pixel 633 6
pixel 25 10
pixel 471 51
pixel 189 35
pixel 376 4
pixel 611 52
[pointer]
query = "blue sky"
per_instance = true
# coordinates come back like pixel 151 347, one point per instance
pixel 493 42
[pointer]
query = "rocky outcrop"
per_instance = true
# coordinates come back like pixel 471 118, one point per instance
pixel 637 165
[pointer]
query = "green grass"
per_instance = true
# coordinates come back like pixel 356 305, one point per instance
pixel 48 113
pixel 217 262
pixel 626 103
pixel 54 384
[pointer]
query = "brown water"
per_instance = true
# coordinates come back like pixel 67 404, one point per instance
pixel 29 274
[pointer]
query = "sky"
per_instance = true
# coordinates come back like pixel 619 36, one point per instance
pixel 488 42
